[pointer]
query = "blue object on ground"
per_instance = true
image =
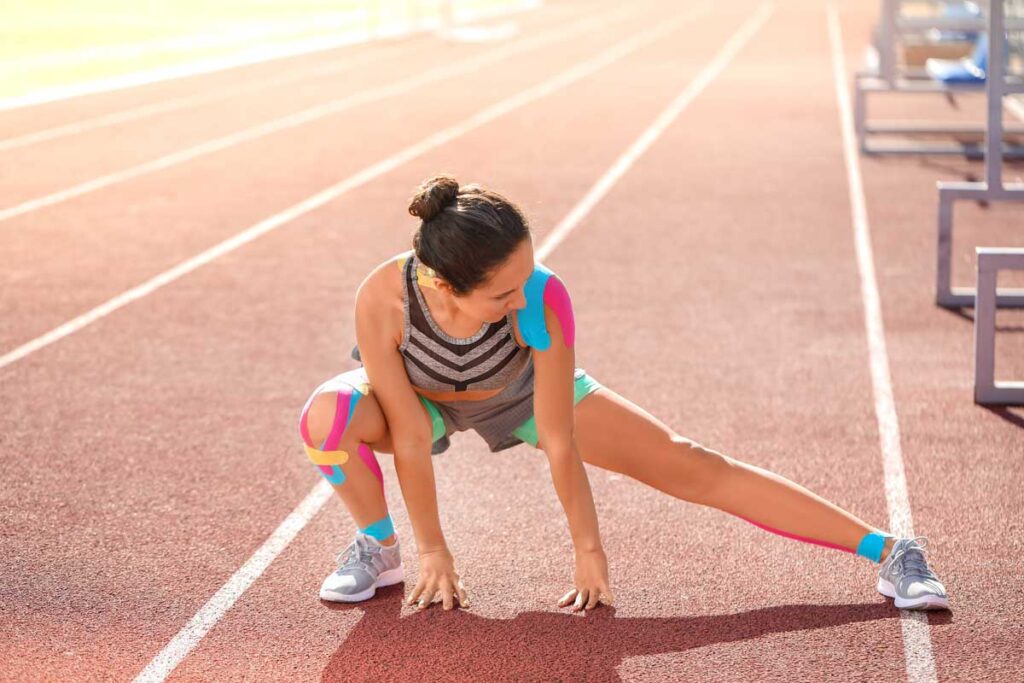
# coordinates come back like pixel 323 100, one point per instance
pixel 966 70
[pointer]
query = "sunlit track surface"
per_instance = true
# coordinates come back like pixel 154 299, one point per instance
pixel 321 147
pixel 250 118
pixel 146 457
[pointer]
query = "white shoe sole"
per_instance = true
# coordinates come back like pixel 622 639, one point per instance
pixel 923 602
pixel 386 578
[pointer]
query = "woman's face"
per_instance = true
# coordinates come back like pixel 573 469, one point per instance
pixel 504 290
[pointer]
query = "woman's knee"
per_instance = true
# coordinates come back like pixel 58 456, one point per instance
pixel 337 423
pixel 702 468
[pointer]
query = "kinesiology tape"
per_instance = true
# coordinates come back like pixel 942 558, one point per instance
pixel 327 456
pixel 381 529
pixel 870 546
pixel 545 289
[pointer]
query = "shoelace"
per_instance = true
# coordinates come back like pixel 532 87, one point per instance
pixel 357 555
pixel 910 559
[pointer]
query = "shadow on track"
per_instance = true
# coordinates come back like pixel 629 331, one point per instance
pixel 1008 415
pixel 967 313
pixel 551 645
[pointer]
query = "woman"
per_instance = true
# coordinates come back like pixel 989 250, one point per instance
pixel 466 331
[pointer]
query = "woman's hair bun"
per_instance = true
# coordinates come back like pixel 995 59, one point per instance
pixel 433 195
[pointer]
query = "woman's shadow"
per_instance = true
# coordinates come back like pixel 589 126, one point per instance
pixel 434 644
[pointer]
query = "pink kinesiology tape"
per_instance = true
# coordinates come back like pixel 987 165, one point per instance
pixel 795 537
pixel 340 421
pixel 367 455
pixel 557 297
pixel 341 409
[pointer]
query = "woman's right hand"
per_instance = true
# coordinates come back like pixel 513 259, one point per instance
pixel 438 576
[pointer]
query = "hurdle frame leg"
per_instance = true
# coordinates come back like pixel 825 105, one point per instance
pixel 988 391
pixel 946 294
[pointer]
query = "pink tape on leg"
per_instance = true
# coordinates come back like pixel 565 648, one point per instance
pixel 557 297
pixel 795 537
pixel 367 455
pixel 340 421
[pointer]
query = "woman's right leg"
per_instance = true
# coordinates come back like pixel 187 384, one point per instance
pixel 340 425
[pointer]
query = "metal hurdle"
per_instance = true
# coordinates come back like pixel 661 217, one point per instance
pixel 992 188
pixel 987 391
pixel 890 77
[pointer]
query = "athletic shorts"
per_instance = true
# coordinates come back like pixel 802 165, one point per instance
pixel 503 420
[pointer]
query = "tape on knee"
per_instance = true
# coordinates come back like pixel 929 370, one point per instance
pixel 381 529
pixel 327 456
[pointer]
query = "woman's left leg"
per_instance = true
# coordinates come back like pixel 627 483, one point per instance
pixel 615 434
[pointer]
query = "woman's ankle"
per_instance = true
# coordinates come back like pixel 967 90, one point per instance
pixel 890 541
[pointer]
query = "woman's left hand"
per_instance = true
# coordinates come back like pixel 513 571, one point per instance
pixel 591 582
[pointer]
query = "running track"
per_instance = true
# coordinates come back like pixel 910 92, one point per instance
pixel 149 453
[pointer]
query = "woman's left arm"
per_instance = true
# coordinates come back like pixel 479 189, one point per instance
pixel 553 408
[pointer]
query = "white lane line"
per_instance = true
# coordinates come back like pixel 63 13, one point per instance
pixel 209 614
pixel 664 120
pixel 576 73
pixel 917 644
pixel 144 111
pixel 564 79
pixel 186 640
pixel 190 101
pixel 309 115
pixel 256 55
pixel 237 32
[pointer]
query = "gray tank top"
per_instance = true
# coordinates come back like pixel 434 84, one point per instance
pixel 435 361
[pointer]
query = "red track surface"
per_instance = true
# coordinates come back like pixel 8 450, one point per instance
pixel 148 455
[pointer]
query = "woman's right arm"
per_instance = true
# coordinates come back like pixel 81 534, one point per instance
pixel 411 439
pixel 407 421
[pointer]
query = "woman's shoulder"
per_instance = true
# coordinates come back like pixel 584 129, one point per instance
pixel 385 279
pixel 545 289
pixel 384 287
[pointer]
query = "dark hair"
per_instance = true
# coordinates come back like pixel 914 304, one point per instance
pixel 465 231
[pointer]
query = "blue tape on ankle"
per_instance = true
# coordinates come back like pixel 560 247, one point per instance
pixel 380 529
pixel 871 546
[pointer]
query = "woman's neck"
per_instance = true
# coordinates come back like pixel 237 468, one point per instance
pixel 443 308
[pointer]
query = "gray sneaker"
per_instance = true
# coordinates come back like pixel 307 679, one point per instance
pixel 906 577
pixel 363 566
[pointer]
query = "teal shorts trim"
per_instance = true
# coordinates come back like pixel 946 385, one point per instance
pixel 583 385
pixel 436 421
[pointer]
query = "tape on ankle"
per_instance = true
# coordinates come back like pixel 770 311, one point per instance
pixel 380 529
pixel 871 545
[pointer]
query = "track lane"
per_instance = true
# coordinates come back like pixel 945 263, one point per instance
pixel 31 179
pixel 766 391
pixel 727 389
pixel 183 370
pixel 963 462
pixel 65 111
pixel 99 247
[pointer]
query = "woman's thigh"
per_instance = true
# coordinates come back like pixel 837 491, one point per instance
pixel 614 433
pixel 367 422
